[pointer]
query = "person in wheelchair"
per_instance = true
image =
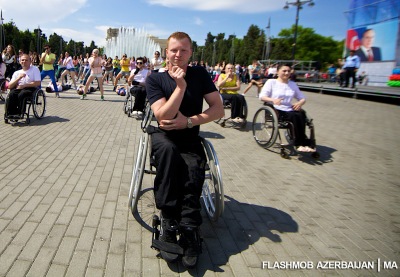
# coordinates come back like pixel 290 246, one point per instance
pixel 137 81
pixel 280 92
pixel 229 85
pixel 22 84
pixel 176 98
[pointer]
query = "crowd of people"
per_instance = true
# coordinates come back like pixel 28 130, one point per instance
pixel 176 91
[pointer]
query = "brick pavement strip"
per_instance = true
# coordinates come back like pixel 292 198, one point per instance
pixel 64 182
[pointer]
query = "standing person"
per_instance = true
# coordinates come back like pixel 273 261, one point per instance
pixel 116 66
pixel 69 69
pixel 124 63
pixel 351 65
pixel 255 77
pixel 280 92
pixel 156 62
pixel 95 63
pixel 108 73
pixel 22 84
pixel 47 60
pixel 10 59
pixel 176 98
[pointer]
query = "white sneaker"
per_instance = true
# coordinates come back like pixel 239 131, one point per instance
pixel 238 120
pixel 139 113
pixel 134 112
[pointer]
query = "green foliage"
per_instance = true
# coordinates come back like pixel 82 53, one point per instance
pixel 35 41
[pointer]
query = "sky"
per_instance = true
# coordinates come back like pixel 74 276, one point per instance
pixel 88 20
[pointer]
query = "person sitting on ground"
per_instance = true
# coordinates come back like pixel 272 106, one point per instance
pixel 229 85
pixel 22 85
pixel 137 81
pixel 254 70
pixel 280 93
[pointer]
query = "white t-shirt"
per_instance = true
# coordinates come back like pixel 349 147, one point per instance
pixel 275 89
pixel 32 75
pixel 141 75
pixel 68 62
pixel 156 63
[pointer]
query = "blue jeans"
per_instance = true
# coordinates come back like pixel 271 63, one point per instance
pixel 50 73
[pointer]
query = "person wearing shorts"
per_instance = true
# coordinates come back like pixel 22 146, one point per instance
pixel 69 69
pixel 125 72
pixel 96 71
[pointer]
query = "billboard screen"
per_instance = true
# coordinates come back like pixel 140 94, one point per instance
pixel 375 42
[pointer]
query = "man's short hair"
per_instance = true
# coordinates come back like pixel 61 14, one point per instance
pixel 179 36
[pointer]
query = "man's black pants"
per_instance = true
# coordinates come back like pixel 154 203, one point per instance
pixel 140 98
pixel 15 101
pixel 350 73
pixel 180 176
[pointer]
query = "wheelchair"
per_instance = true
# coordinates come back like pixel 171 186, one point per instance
pixel 212 192
pixel 267 128
pixel 130 101
pixel 3 88
pixel 228 121
pixel 37 102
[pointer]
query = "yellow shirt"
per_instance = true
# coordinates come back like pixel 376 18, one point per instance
pixel 231 83
pixel 125 65
pixel 48 59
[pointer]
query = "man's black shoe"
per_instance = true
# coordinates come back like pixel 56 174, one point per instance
pixel 168 232
pixel 190 241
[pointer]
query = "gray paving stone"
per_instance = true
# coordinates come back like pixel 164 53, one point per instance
pixel 63 200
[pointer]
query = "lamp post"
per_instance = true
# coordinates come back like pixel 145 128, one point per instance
pixel 299 5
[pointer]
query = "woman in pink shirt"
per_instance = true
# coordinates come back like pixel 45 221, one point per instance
pixel 95 63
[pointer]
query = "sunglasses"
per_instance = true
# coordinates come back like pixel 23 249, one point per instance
pixel 139 62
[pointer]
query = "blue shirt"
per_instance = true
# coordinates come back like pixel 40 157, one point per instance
pixel 352 61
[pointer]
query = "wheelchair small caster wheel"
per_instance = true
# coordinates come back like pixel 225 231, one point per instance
pixel 315 155
pixel 222 123
pixel 156 221
pixel 284 154
pixel 27 120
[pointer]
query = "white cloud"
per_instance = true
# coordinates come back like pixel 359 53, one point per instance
pixel 87 37
pixel 198 21
pixel 24 12
pixel 239 6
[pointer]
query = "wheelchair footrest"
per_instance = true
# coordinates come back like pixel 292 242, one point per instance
pixel 167 247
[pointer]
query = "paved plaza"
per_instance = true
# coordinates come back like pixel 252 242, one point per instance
pixel 64 183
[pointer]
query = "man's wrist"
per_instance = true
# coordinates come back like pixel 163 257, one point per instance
pixel 189 123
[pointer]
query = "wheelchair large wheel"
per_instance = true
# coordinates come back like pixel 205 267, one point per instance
pixel 125 109
pixel 213 192
pixel 138 172
pixel 147 117
pixel 265 126
pixel 130 105
pixel 39 104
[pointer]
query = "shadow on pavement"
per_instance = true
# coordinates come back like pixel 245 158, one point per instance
pixel 38 122
pixel 241 225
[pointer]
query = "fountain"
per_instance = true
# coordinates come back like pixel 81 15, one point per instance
pixel 133 42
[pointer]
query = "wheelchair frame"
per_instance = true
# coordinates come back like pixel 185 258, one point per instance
pixel 266 129
pixel 128 103
pixel 212 192
pixel 38 103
